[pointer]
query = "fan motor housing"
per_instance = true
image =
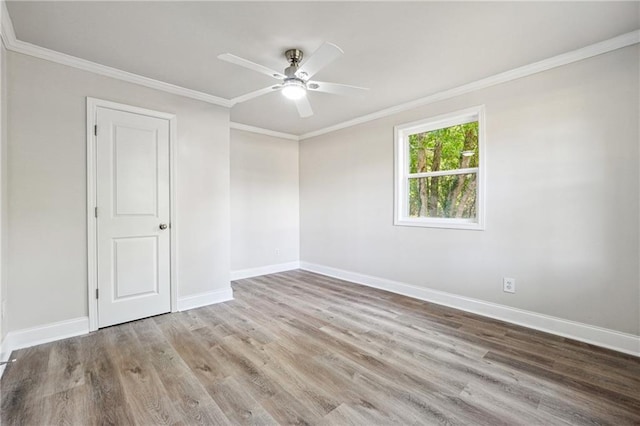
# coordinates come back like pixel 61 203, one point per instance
pixel 294 56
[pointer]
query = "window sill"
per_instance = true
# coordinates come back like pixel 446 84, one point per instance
pixel 440 223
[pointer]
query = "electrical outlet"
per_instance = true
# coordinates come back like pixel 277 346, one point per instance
pixel 509 285
pixel 277 252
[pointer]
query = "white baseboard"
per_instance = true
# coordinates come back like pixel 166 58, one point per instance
pixel 47 333
pixel 263 270
pixel 5 353
pixel 204 299
pixel 38 335
pixel 611 339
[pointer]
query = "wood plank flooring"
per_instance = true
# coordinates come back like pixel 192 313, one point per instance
pixel 301 348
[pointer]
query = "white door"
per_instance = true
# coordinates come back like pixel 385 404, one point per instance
pixel 133 238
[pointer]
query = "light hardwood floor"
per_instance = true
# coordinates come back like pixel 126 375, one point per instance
pixel 301 348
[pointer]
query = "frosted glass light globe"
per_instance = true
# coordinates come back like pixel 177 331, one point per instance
pixel 294 89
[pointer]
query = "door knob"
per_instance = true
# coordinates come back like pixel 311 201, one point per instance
pixel 163 226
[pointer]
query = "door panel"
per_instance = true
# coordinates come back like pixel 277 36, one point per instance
pixel 136 181
pixel 135 262
pixel 132 187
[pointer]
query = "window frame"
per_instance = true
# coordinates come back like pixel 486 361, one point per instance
pixel 401 176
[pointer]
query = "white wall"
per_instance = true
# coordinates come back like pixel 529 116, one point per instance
pixel 264 201
pixel 562 198
pixel 3 193
pixel 47 188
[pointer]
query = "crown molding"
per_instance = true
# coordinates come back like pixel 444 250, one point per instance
pixel 590 51
pixel 61 58
pixel 260 130
pixel 12 43
pixel 15 45
pixel 6 30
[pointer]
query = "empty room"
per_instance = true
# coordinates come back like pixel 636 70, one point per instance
pixel 319 213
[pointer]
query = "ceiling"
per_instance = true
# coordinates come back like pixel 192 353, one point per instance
pixel 401 51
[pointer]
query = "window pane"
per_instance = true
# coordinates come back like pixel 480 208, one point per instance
pixel 450 148
pixel 450 196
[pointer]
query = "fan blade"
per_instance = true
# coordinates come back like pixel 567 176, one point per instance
pixel 322 57
pixel 236 60
pixel 304 107
pixel 335 88
pixel 255 94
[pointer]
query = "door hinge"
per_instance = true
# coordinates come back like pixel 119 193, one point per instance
pixel 97 293
pixel 95 130
pixel 95 212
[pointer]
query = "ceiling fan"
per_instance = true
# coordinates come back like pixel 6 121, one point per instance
pixel 296 79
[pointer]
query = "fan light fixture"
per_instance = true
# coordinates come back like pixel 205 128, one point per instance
pixel 296 81
pixel 294 89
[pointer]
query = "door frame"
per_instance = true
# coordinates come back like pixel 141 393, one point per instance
pixel 92 249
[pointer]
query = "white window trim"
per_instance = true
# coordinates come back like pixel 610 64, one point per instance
pixel 401 175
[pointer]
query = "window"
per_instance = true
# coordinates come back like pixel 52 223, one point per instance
pixel 439 171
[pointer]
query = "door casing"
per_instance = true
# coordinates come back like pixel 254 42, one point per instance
pixel 92 272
